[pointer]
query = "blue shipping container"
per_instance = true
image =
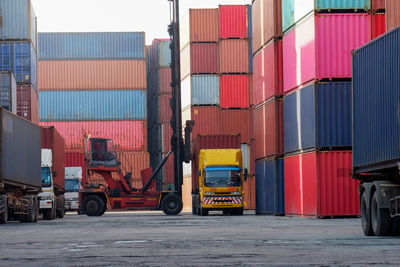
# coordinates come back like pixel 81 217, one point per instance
pixel 8 91
pixel 318 117
pixel 270 198
pixel 343 4
pixel 200 90
pixel 92 105
pixel 376 103
pixel 91 45
pixel 18 21
pixel 20 58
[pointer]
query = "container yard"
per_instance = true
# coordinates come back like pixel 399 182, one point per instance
pixel 219 132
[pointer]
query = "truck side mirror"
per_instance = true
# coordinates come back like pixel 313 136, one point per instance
pixel 54 174
pixel 245 174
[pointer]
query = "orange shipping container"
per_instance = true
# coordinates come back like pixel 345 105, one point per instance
pixel 91 74
pixel 234 56
pixel 249 193
pixel 392 14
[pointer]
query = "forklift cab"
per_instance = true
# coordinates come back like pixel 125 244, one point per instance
pixel 102 153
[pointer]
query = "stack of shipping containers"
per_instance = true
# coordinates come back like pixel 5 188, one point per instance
pixel 268 103
pixel 94 84
pixel 18 57
pixel 318 37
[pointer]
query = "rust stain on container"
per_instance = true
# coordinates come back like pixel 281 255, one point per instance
pixel 249 188
pixel 234 56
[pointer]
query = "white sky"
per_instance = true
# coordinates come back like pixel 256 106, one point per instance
pixel 150 16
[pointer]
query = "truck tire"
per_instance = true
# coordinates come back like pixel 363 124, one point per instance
pixel 54 211
pixel 194 209
pixel 48 214
pixel 365 216
pixel 237 212
pixel 203 212
pixel 380 218
pixel 37 207
pixel 395 229
pixel 61 210
pixel 171 204
pixel 93 205
pixel 3 209
pixel 31 213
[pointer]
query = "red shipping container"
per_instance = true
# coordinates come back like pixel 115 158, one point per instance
pixel 378 4
pixel 207 120
pixel 76 159
pixel 249 188
pixel 168 177
pixel 164 76
pixel 378 24
pixel 166 133
pixel 234 56
pixel 127 135
pixel 234 91
pixel 268 129
pixel 51 139
pixel 392 14
pixel 267 72
pixel 203 58
pixel 165 108
pixel 319 184
pixel 233 21
pixel 235 121
pixel 28 103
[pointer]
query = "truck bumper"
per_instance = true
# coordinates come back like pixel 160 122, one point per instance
pixel 222 203
pixel 71 205
pixel 45 204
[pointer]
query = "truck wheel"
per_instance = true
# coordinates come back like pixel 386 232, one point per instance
pixel 395 226
pixel 171 204
pixel 93 205
pixel 3 209
pixel 30 216
pixel 61 211
pixel 194 209
pixel 54 211
pixel 48 214
pixel 36 201
pixel 366 216
pixel 237 212
pixel 380 218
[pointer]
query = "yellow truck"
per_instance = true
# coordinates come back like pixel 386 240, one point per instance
pixel 218 184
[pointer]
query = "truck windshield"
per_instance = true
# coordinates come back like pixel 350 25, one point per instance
pixel 46 177
pixel 225 176
pixel 72 185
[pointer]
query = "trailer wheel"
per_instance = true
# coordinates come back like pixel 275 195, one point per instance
pixel 395 226
pixel 37 204
pixel 380 218
pixel 93 205
pixel 171 204
pixel 365 216
pixel 3 209
pixel 61 211
pixel 30 216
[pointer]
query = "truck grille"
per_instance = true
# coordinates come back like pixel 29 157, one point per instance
pixel 222 200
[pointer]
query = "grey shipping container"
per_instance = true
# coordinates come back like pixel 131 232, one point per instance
pixel 20 152
pixel 376 103
pixel 8 91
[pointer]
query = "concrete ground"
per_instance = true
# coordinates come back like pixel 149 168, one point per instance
pixel 153 239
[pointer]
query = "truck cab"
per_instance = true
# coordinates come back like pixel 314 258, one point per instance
pixel 47 196
pixel 220 182
pixel 73 183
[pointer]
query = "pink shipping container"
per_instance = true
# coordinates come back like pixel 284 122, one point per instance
pixel 268 129
pixel 235 121
pixel 199 58
pixel 267 72
pixel 91 74
pixel 28 103
pixel 234 56
pixel 234 91
pixel 127 135
pixel 320 47
pixel 165 108
pixel 319 184
pixel 392 14
pixel 164 75
pixel 233 21
pixel 378 24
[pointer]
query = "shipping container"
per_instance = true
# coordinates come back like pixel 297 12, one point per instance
pixel 92 105
pixel 268 76
pixel 392 14
pixel 376 98
pixel 18 21
pixel 270 193
pixel 378 24
pixel 161 53
pixel 378 5
pixel 249 189
pixel 91 45
pixel 234 56
pixel 168 173
pixel 166 135
pixel 268 129
pixel 91 74
pixel 76 159
pixel 318 116
pixel 20 59
pixel 266 22
pixel 20 152
pixel 312 50
pixel 164 80
pixel 199 58
pixel 199 25
pixel 165 108
pixel 235 121
pixel 51 139
pixel 233 21
pixel 28 103
pixel 319 184
pixel 186 116
pixel 234 91
pixel 127 135
pixel 8 91
pixel 207 120
pixel 200 90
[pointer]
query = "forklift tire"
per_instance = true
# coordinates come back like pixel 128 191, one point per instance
pixel 171 204
pixel 380 218
pixel 365 216
pixel 93 205
pixel 3 209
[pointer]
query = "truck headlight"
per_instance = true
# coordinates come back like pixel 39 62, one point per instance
pixel 208 193
pixel 236 193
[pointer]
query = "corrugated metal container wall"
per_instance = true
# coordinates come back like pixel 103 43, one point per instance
pixel 376 84
pixel 343 4
pixel 8 91
pixel 27 103
pixel 165 108
pixel 76 159
pixel 378 4
pixel 185 61
pixel 91 74
pixel 207 120
pixel 91 45
pixel 200 90
pixel 166 134
pixel 233 21
pixel 249 188
pixel 20 58
pixel 270 196
pixel 34 107
pixel 268 129
pixel 318 116
pixel 203 58
pixel 203 25
pixel 127 135
pixel 163 54
pixel 168 178
pixel 266 22
pixel 235 121
pixel 18 21
pixel 164 79
pixel 92 105
pixel 319 184
pixel 268 76
pixel 234 56
pixel 324 54
pixel 234 91
pixel 294 10
pixel 378 24
pixel 392 14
